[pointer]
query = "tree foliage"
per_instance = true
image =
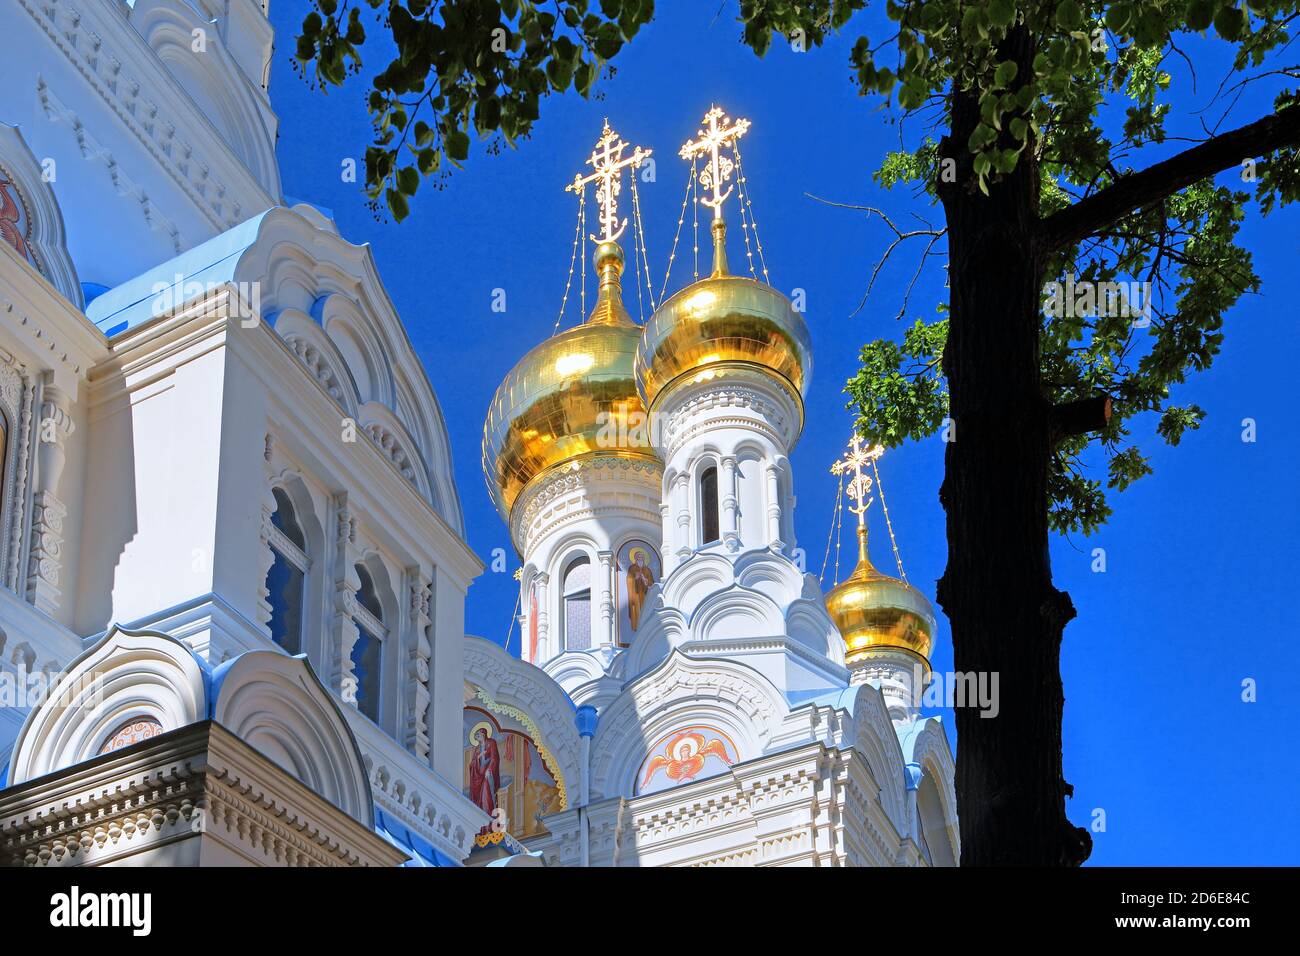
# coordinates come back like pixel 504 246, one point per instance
pixel 1099 93
pixel 460 69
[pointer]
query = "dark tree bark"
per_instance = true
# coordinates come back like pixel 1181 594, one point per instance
pixel 1006 615
pixel 997 589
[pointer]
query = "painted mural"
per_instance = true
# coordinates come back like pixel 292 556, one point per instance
pixel 506 775
pixel 637 571
pixel 15 222
pixel 692 753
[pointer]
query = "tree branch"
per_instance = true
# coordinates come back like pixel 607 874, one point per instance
pixel 1080 417
pixel 1138 190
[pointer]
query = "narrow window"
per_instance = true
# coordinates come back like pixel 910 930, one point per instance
pixel 709 504
pixel 287 577
pixel 367 652
pixel 577 604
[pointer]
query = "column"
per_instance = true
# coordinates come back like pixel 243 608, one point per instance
pixel 607 622
pixel 682 502
pixel 543 618
pixel 774 508
pixel 45 562
pixel 730 506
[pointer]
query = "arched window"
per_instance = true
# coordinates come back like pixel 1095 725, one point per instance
pixel 368 651
pixel 709 505
pixel 132 732
pixel 287 578
pixel 577 604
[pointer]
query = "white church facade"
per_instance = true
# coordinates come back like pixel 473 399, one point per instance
pixel 233 561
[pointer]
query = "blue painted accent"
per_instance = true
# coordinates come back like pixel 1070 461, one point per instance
pixel 586 718
pixel 421 851
pixel 209 264
pixel 913 773
pixel 90 291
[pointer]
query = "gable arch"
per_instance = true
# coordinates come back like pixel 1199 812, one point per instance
pixel 31 222
pixel 303 267
pixel 278 706
pixel 874 737
pixel 128 675
pixel 213 80
pixel 681 692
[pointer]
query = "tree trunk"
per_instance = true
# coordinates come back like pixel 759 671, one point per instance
pixel 1007 618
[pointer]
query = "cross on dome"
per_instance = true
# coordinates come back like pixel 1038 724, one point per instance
pixel 714 137
pixel 860 485
pixel 607 162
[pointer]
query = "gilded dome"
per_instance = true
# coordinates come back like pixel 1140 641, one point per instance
pixel 720 322
pixel 873 610
pixel 563 398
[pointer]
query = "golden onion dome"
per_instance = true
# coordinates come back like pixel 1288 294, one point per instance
pixel 566 395
pixel 722 322
pixel 874 611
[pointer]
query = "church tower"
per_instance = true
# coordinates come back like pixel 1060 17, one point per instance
pixel 888 625
pixel 569 465
pixel 722 367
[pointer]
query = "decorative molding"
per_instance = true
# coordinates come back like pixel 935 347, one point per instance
pixel 17 391
pixel 392 449
pixel 319 365
pixel 123 93
pixel 419 655
pixel 201 783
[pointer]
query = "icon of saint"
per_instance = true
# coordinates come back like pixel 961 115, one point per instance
pixel 639 579
pixel 484 771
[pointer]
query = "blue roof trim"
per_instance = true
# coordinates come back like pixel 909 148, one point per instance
pixel 420 850
pixel 210 263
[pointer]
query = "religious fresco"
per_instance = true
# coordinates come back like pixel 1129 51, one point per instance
pixel 692 753
pixel 506 774
pixel 15 221
pixel 637 569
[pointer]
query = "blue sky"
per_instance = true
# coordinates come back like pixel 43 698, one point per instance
pixel 1198 589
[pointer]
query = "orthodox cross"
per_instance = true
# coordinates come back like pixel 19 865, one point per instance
pixel 607 163
pixel 712 139
pixel 859 487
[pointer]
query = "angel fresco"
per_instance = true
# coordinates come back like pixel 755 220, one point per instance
pixel 686 754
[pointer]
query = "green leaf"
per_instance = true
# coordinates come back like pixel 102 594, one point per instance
pixel 457 144
pixel 397 204
pixel 1069 16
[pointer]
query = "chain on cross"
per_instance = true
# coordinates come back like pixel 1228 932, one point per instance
pixel 607 163
pixel 715 136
